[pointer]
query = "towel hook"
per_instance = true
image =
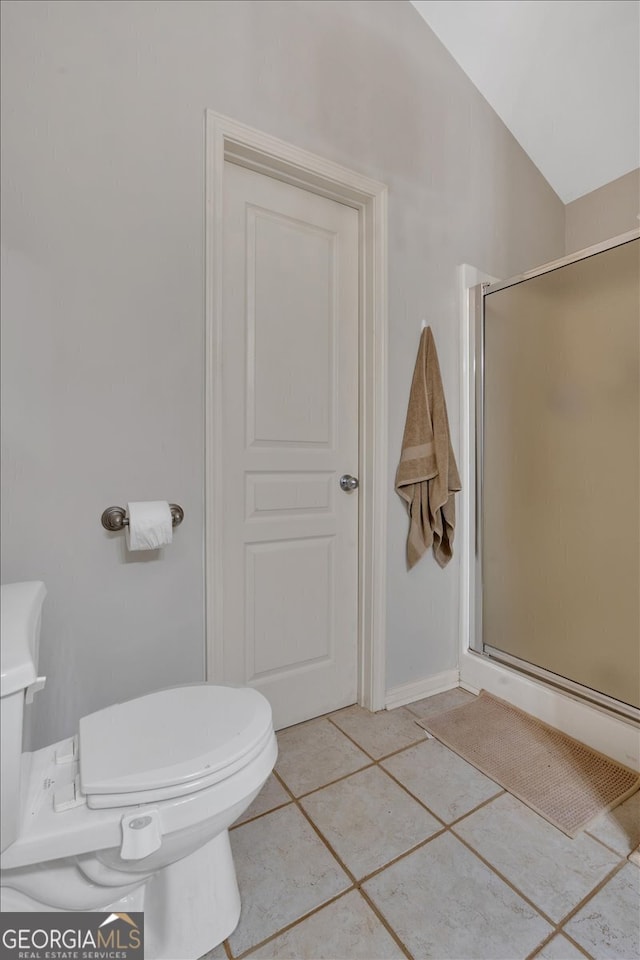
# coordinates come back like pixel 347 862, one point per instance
pixel 115 518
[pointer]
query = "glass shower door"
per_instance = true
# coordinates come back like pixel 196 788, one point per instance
pixel 560 477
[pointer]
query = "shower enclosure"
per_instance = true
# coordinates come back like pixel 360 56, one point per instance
pixel 557 559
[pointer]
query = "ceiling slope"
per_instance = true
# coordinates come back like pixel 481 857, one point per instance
pixel 563 75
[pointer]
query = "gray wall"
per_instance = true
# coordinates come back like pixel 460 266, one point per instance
pixel 608 212
pixel 103 213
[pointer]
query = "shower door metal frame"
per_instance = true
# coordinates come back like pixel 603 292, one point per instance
pixel 476 642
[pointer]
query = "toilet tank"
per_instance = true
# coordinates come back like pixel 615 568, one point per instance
pixel 20 612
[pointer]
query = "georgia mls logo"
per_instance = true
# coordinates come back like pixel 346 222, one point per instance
pixel 119 916
pixel 72 936
pixel 134 935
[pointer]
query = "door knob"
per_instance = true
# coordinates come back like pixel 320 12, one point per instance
pixel 348 483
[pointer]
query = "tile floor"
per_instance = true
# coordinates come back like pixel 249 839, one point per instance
pixel 372 841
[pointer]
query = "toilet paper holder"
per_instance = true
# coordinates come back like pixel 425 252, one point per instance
pixel 115 518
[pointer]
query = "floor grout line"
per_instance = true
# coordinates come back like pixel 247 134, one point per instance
pixel 385 923
pixel 410 746
pixel 429 810
pixel 504 879
pixel 290 926
pixel 606 845
pixel 385 756
pixel 329 847
pixel 536 950
pixel 577 945
pixel 282 783
pixel 330 783
pixel 592 893
pixel 346 776
pixel 350 738
pixel 243 823
pixel 485 803
pixel 557 933
pixel 401 856
pixel 357 884
pixel 428 716
pixel 557 926
pixel 413 796
pixel 294 802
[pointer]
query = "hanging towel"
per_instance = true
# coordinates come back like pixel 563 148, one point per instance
pixel 427 475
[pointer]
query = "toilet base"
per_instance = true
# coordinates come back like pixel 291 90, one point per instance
pixel 13 901
pixel 192 905
pixel 189 907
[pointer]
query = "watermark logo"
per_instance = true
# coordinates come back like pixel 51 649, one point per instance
pixel 72 936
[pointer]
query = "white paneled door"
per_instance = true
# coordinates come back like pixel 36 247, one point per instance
pixel 290 432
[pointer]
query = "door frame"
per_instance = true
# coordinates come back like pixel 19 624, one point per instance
pixel 228 140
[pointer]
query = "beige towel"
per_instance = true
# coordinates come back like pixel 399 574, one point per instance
pixel 427 475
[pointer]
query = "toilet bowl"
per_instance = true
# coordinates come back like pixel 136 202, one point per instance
pixel 132 813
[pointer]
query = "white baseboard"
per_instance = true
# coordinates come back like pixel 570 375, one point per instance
pixel 416 690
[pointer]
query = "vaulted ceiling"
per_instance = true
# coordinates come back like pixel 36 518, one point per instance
pixel 563 75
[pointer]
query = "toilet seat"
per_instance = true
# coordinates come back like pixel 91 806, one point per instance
pixel 48 835
pixel 170 743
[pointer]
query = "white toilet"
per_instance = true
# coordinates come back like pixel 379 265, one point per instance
pixel 133 813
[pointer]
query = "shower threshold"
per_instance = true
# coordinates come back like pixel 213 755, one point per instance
pixel 602 701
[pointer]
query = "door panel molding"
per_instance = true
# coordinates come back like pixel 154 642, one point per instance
pixel 228 140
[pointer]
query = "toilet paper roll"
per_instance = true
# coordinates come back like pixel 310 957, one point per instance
pixel 150 525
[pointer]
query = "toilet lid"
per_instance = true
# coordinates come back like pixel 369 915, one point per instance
pixel 170 737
